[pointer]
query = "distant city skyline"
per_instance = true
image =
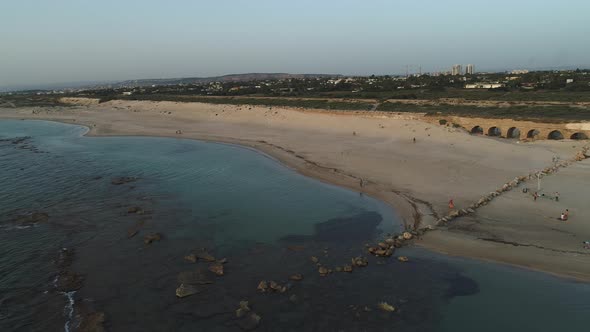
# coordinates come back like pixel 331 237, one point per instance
pixel 72 41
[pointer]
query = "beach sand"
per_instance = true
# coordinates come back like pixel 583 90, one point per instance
pixel 416 179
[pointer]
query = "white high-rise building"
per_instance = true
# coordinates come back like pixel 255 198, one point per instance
pixel 469 69
pixel 457 70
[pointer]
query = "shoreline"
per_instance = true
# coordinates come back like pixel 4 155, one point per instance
pixel 412 210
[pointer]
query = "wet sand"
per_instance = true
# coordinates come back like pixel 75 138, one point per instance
pixel 417 179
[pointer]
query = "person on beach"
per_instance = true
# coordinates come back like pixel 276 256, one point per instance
pixel 586 244
pixel 566 213
pixel 535 195
pixel 451 204
pixel 361 183
pixel 556 196
pixel 414 139
pixel 562 217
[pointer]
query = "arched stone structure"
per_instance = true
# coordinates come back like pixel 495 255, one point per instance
pixel 494 131
pixel 529 130
pixel 532 133
pixel 555 134
pixel 579 136
pixel 513 132
pixel 477 130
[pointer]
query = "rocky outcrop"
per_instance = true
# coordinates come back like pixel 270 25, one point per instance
pixel 68 281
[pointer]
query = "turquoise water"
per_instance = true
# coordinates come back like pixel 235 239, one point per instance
pixel 241 205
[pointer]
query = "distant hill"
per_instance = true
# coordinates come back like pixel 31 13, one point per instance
pixel 224 78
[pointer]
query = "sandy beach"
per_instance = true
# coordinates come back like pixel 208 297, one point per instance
pixel 416 178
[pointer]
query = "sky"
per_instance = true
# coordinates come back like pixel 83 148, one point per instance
pixel 53 41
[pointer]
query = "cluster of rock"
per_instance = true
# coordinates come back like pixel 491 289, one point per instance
pixel 190 281
pixel 272 287
pixel 247 319
pixel 67 280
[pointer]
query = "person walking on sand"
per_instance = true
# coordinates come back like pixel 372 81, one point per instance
pixel 556 196
pixel 566 214
pixel 535 195
pixel 451 204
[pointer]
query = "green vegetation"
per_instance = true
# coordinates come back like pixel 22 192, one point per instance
pixel 550 113
pixel 30 100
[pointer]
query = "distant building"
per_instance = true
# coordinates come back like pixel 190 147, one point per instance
pixel 469 69
pixel 484 85
pixel 519 71
pixel 569 80
pixel 457 70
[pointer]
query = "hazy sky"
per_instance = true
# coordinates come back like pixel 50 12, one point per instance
pixel 47 41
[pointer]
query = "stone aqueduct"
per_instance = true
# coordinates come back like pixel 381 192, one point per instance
pixel 517 129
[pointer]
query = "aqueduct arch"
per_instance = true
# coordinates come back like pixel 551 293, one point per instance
pixel 579 136
pixel 532 133
pixel 478 130
pixel 494 131
pixel 555 134
pixel 513 132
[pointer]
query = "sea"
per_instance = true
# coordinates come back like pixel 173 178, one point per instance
pixel 75 212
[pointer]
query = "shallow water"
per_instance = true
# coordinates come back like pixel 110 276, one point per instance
pixel 264 218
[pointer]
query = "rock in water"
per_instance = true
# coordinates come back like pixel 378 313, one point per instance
pixel 243 309
pixel 407 236
pixel 296 277
pixel 386 307
pixel 135 209
pixel 92 322
pixel 186 290
pixel 68 281
pixel 359 261
pixel 216 268
pixel 262 286
pixel 403 259
pixel 148 239
pixel 191 258
pixel 249 322
pixel 204 255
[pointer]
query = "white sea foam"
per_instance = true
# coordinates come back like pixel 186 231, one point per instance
pixel 69 309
